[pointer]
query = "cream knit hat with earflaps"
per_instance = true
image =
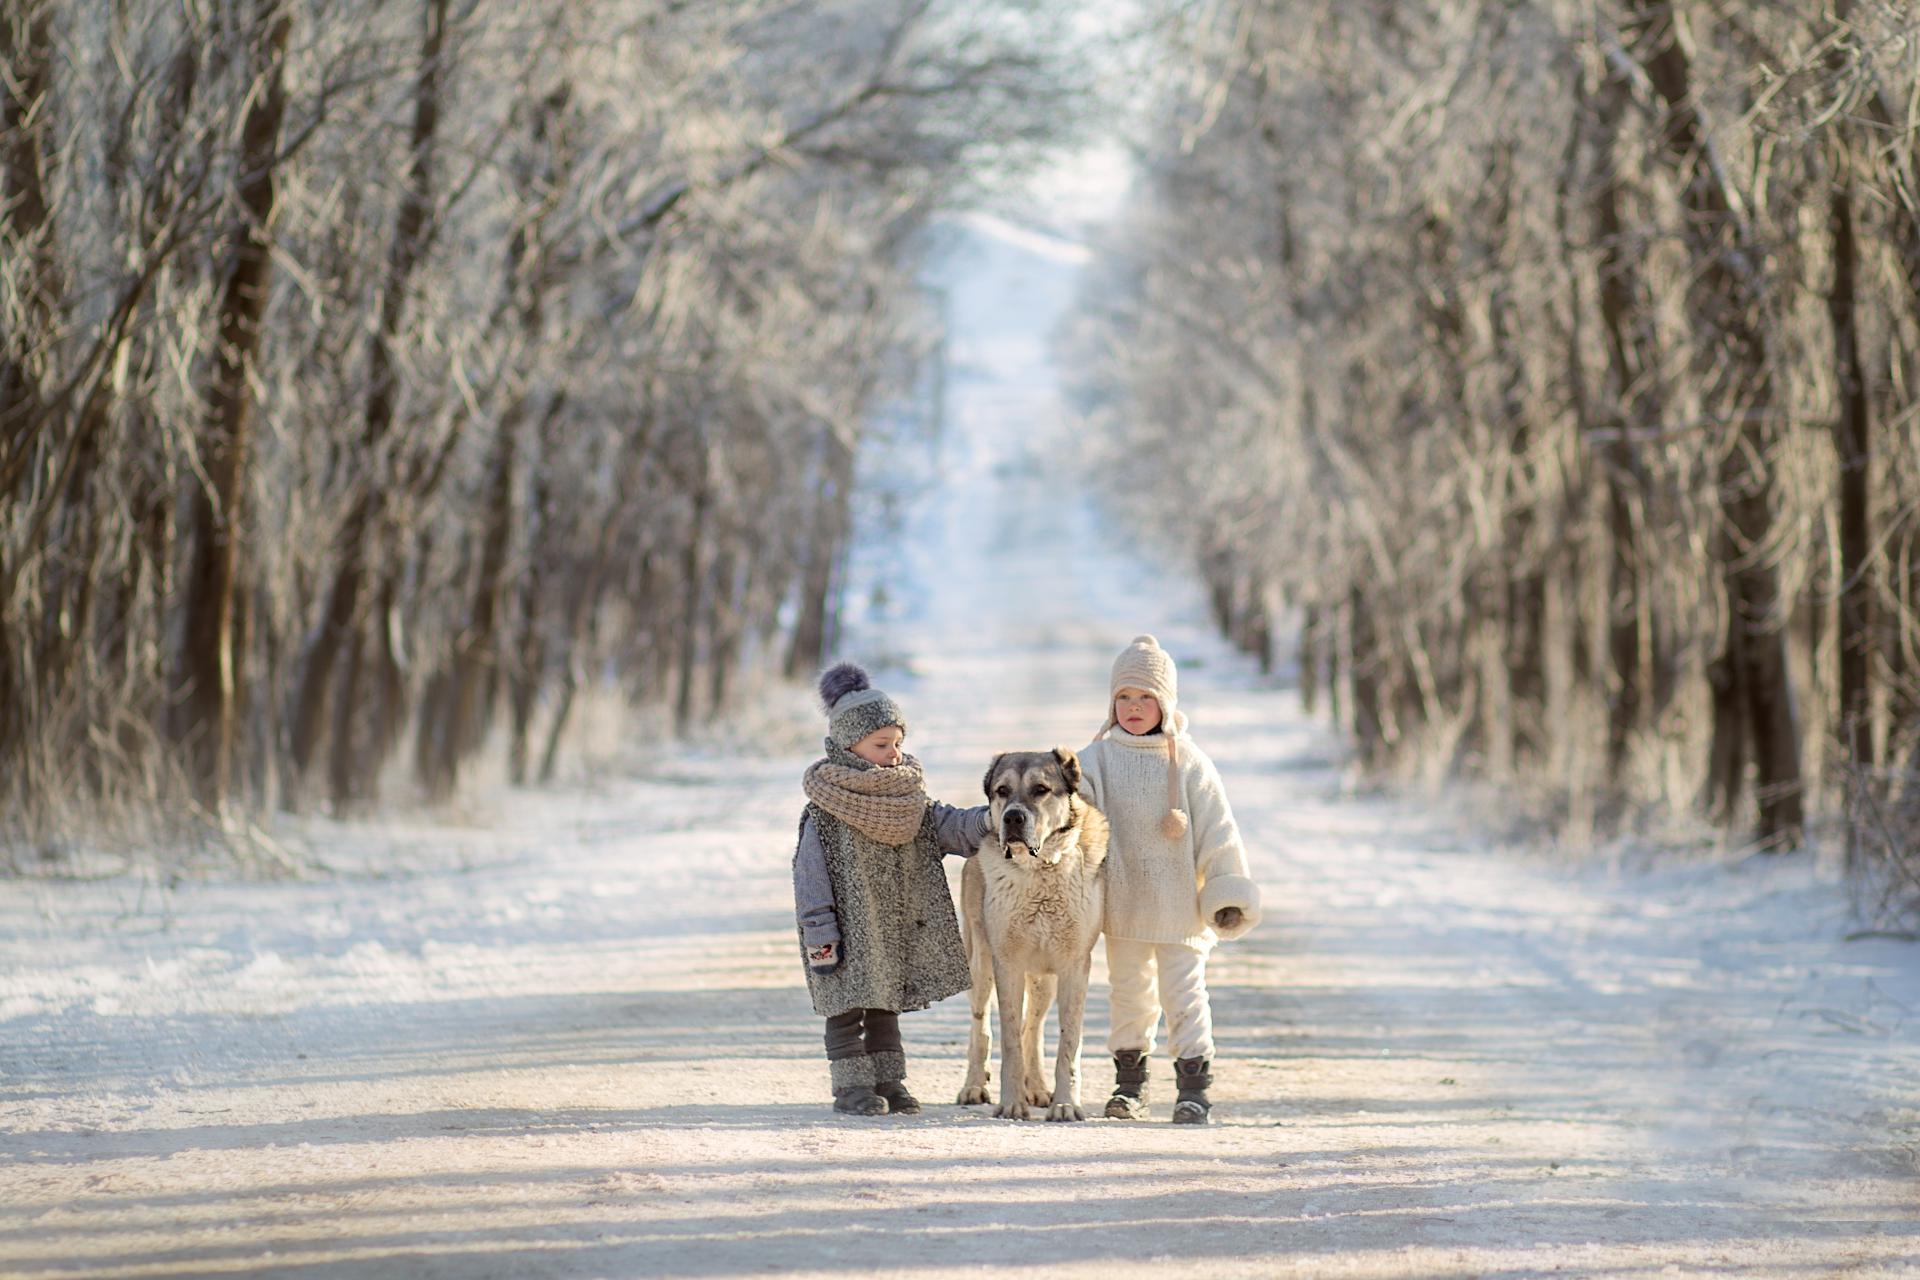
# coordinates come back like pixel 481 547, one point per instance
pixel 1145 665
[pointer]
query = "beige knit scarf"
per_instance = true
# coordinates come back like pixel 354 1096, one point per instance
pixel 884 804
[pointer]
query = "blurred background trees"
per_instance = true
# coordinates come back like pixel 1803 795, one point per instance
pixel 379 382
pixel 377 377
pixel 1554 364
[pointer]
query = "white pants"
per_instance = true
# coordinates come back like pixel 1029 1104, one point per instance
pixel 1147 977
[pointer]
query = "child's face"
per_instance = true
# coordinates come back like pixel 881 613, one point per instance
pixel 882 746
pixel 1136 710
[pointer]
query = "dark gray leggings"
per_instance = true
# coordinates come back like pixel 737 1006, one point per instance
pixel 859 1031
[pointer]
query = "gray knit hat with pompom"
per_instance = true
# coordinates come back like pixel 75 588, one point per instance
pixel 854 707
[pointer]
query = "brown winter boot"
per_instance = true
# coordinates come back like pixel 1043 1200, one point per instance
pixel 1129 1100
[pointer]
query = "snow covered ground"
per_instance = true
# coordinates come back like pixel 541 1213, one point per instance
pixel 568 1036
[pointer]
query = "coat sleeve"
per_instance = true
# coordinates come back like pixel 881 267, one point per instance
pixel 1219 856
pixel 959 830
pixel 813 889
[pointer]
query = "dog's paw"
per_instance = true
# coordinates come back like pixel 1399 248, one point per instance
pixel 1066 1111
pixel 973 1095
pixel 1037 1097
pixel 1012 1111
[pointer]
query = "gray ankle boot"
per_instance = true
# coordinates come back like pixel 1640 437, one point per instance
pixel 853 1087
pixel 890 1081
pixel 1194 1076
pixel 1129 1100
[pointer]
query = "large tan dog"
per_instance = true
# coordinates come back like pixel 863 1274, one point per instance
pixel 1032 900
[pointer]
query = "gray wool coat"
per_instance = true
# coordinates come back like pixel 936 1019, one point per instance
pixel 887 906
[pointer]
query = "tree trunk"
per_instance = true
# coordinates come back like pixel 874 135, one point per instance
pixel 1727 751
pixel 1489 631
pixel 528 668
pixel 731 585
pixel 1340 670
pixel 70 581
pixel 210 662
pixel 341 613
pixel 1260 637
pixel 831 517
pixel 693 582
pixel 586 600
pixel 1853 443
pixel 26 58
pixel 1559 643
pixel 1726 305
pixel 1632 389
pixel 476 664
pixel 1758 619
pixel 344 770
pixel 339 617
pixel 1897 638
pixel 1309 658
pixel 26 61
pixel 1363 661
pixel 389 718
pixel 136 647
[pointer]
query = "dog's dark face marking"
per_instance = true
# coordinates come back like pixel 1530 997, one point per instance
pixel 1030 799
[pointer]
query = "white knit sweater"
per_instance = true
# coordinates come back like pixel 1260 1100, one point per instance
pixel 1161 890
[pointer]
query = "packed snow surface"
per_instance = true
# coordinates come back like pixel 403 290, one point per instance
pixel 565 1033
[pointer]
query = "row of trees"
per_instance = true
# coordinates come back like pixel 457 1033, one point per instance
pixel 1556 360
pixel 374 375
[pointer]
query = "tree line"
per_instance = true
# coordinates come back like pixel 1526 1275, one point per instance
pixel 378 377
pixel 1555 362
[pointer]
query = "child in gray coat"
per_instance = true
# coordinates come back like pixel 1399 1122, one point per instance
pixel 876 919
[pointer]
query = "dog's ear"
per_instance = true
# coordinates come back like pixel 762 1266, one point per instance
pixel 1069 767
pixel 986 783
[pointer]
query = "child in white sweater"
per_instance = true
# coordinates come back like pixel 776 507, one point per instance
pixel 1177 880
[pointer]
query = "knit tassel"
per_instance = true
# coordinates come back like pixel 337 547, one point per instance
pixel 1174 825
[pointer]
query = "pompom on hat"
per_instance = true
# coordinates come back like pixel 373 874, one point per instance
pixel 1145 665
pixel 854 707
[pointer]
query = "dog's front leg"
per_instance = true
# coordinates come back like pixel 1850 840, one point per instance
pixel 1033 1038
pixel 1010 982
pixel 1066 1067
pixel 980 1036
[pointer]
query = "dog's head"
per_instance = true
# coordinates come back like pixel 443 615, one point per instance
pixel 1030 802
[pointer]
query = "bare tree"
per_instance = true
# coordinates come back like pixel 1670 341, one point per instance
pixel 212 648
pixel 372 372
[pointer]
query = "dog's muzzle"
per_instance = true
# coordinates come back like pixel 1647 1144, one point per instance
pixel 1019 831
pixel 1016 831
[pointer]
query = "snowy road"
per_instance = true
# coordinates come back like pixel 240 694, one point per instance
pixel 571 1037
